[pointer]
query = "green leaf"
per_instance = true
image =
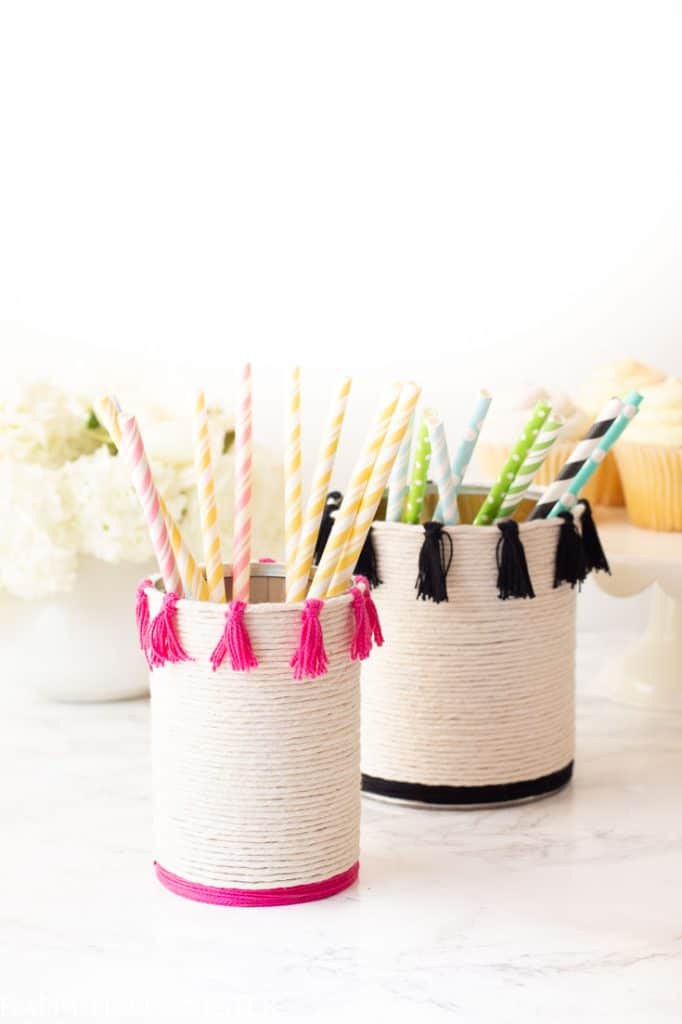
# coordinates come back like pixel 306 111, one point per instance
pixel 100 433
pixel 228 441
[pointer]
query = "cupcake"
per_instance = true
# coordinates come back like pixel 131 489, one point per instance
pixel 616 379
pixel 650 458
pixel 505 423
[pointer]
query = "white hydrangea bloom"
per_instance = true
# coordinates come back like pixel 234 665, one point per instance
pixel 41 423
pixel 64 492
pixel 38 555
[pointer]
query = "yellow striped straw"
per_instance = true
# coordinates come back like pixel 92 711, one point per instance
pixel 293 498
pixel 208 513
pixel 191 575
pixel 345 517
pixel 375 490
pixel 297 583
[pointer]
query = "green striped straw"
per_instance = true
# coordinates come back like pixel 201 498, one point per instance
pixel 418 476
pixel 490 509
pixel 546 440
pixel 631 404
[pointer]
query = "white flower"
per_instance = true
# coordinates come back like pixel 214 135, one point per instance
pixel 40 423
pixel 65 492
pixel 37 553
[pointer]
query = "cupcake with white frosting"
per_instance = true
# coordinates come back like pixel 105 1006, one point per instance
pixel 505 423
pixel 650 458
pixel 616 379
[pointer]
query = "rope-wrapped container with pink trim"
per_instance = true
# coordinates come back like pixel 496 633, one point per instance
pixel 256 770
pixel 471 700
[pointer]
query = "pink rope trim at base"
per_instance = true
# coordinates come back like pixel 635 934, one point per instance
pixel 257 897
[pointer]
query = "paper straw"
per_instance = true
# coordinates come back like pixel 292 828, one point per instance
pixel 441 469
pixel 297 585
pixel 546 440
pixel 292 476
pixel 418 476
pixel 490 508
pixel 345 517
pixel 627 414
pixel 577 459
pixel 241 547
pixel 190 573
pixel 463 455
pixel 397 482
pixel 149 499
pixel 374 492
pixel 208 512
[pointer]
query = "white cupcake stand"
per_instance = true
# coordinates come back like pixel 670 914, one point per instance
pixel 649 672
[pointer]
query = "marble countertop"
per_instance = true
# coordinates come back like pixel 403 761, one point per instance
pixel 571 906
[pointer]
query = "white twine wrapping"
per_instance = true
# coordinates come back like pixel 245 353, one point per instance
pixel 256 778
pixel 474 691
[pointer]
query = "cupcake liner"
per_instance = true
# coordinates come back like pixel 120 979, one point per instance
pixel 603 489
pixel 652 481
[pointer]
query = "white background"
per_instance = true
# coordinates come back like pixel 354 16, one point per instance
pixel 469 194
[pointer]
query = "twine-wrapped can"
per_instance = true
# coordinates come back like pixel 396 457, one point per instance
pixel 471 701
pixel 256 775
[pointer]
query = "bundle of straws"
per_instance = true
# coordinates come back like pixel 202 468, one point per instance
pixel 363 494
pixel 383 460
pixel 540 434
pixel 179 569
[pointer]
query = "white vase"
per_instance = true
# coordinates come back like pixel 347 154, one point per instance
pixel 80 646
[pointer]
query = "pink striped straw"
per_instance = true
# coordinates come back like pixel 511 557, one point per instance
pixel 241 545
pixel 149 500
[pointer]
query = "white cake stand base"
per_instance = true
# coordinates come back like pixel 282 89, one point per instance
pixel 649 672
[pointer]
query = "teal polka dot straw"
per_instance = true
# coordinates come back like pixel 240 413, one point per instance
pixel 466 447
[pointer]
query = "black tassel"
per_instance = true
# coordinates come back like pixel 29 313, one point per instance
pixel 569 560
pixel 367 562
pixel 595 559
pixel 513 579
pixel 435 559
pixel 332 505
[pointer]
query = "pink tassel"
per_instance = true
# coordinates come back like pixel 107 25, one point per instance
pixel 235 641
pixel 361 644
pixel 142 618
pixel 373 623
pixel 373 619
pixel 310 659
pixel 164 645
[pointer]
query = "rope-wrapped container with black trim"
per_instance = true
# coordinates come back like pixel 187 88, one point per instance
pixel 471 700
pixel 256 774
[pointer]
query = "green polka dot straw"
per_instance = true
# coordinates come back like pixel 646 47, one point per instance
pixel 418 476
pixel 490 508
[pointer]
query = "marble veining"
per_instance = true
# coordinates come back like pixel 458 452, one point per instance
pixel 568 906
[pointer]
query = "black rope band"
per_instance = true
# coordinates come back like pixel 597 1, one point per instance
pixel 467 795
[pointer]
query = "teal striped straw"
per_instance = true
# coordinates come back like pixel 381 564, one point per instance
pixel 631 404
pixel 463 454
